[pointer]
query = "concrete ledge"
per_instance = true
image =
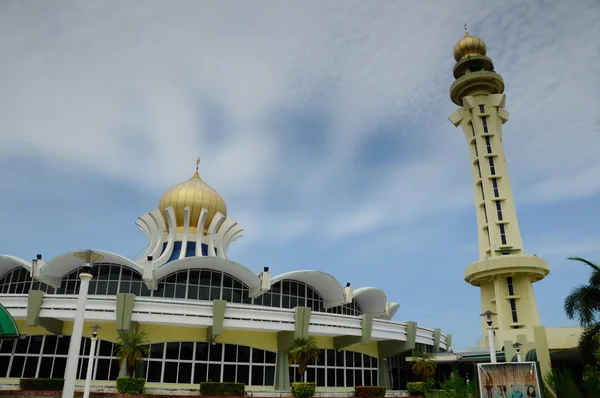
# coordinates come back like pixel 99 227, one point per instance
pixel 536 267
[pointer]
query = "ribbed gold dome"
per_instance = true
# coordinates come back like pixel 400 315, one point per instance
pixel 196 194
pixel 468 46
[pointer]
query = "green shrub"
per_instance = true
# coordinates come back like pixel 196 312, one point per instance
pixel 369 391
pixel 210 389
pixel 455 387
pixel 42 384
pixel 304 390
pixel 417 388
pixel 128 385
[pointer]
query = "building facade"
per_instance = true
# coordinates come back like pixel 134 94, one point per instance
pixel 206 318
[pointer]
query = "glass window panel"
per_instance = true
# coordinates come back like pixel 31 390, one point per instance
pixel 215 354
pixel 145 291
pixel 172 351
pixel 294 288
pixel 276 288
pixel 16 369
pixel 270 357
pixel 126 274
pixel 266 299
pixel 182 277
pixel 285 289
pixel 230 353
pixel 187 350
pixel 236 296
pixel 285 302
pixel 331 377
pixel 115 272
pixel 293 302
pixel 258 356
pixel 339 378
pixel 243 354
pixel 201 351
pixel 103 272
pixel 204 293
pixel 243 374
pixel 258 373
pixel 125 287
pixel 358 377
pixel 366 361
pixel 170 373
pixel 200 372
pixel 169 290
pixel 215 293
pixel 156 350
pixel 367 376
pixel 180 291
pixel 215 278
pixel 320 377
pixel 228 373
pixel 171 278
pixel 62 347
pixel 194 278
pixel 339 358
pixel 154 371
pixel 35 345
pixel 300 302
pixel 227 281
pixel 106 349
pixel 192 292
pixel 269 375
pixel 310 375
pixel 227 295
pixel 357 359
pixel 205 278
pixel 58 370
pixel 45 368
pixel 22 346
pixel 136 288
pixel 237 284
pixel 101 287
pixel 185 373
pixel 214 372
pixel 276 301
pixel 113 287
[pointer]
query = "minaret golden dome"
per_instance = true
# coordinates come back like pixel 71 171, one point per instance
pixel 469 46
pixel 196 194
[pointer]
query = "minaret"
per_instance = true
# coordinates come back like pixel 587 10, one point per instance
pixel 504 273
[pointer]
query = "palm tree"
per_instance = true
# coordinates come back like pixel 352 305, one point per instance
pixel 583 303
pixel 423 365
pixel 131 350
pixel 302 352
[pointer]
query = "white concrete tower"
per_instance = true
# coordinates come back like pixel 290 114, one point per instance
pixel 504 273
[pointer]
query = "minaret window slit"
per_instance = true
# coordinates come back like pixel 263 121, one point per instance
pixel 488 144
pixel 499 210
pixel 495 186
pixel 485 213
pixel 473 129
pixel 502 234
pixel 482 194
pixel 484 123
pixel 476 151
pixel 481 108
pixel 478 169
pixel 492 167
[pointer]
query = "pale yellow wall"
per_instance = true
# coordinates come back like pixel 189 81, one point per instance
pixel 563 338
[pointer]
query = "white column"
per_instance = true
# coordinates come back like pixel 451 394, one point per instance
pixel 73 357
pixel 88 377
pixel 519 357
pixel 492 344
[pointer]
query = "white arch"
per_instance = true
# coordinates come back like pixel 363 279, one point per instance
pixel 371 300
pixel 326 285
pixel 55 269
pixel 393 308
pixel 7 263
pixel 232 268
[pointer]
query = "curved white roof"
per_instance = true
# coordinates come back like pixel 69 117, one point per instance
pixel 371 299
pixel 393 309
pixel 232 268
pixel 64 263
pixel 7 263
pixel 326 285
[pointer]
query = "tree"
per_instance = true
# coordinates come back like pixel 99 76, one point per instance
pixel 131 350
pixel 583 303
pixel 302 352
pixel 423 365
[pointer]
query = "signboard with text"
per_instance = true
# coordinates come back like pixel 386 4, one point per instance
pixel 508 380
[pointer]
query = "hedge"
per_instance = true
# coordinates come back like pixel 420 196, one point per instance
pixel 42 384
pixel 417 388
pixel 211 389
pixel 128 385
pixel 304 390
pixel 369 391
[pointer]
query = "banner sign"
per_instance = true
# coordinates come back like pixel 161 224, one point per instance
pixel 508 380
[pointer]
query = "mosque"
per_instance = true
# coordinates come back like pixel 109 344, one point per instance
pixel 207 317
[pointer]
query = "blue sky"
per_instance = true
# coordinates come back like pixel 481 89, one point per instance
pixel 322 124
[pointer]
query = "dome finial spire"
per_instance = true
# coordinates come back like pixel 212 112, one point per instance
pixel 466 31
pixel 197 162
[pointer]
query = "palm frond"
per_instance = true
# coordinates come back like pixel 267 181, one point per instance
pixel 583 260
pixel 583 304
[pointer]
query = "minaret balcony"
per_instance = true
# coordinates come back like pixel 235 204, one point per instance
pixel 532 266
pixel 476 83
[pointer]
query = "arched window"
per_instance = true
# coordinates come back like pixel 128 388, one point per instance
pixel 203 284
pixel 196 362
pixel 16 281
pixel 290 294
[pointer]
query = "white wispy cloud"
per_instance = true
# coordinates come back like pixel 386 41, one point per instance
pixel 120 89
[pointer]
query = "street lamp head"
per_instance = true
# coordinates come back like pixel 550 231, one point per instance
pixel 517 346
pixel 95 330
pixel 89 257
pixel 488 317
pixel 38 256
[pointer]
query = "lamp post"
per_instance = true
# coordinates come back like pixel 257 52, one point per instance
pixel 517 347
pixel 488 319
pixel 88 376
pixel 89 257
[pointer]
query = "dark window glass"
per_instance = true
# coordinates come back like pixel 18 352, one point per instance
pixel 170 372
pixel 229 373
pixel 154 371
pixel 185 373
pixel 243 374
pixel 200 372
pixel 172 351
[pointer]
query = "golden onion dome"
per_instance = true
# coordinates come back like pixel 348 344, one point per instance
pixel 469 46
pixel 197 195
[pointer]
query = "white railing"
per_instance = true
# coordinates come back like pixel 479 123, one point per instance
pixel 443 341
pixel 326 324
pixel 253 317
pixel 425 336
pixel 388 330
